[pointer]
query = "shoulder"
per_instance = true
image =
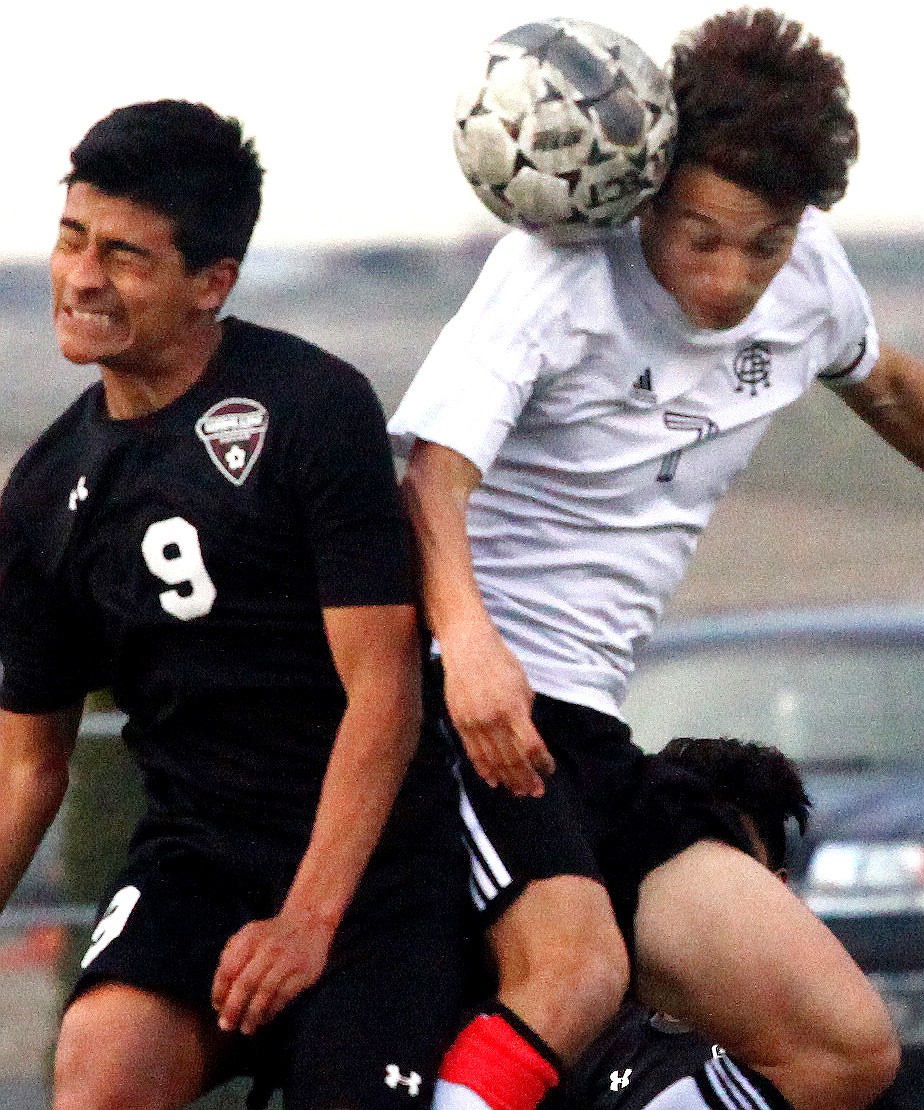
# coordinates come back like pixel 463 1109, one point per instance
pixel 42 463
pixel 293 370
pixel 818 258
pixel 534 282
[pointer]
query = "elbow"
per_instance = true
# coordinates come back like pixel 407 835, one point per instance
pixel 414 490
pixel 438 479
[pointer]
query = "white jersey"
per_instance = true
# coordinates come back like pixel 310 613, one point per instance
pixel 607 427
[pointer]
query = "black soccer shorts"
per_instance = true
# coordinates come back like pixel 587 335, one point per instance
pixel 609 812
pixel 370 1034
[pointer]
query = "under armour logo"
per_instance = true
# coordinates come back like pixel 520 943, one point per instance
pixel 752 367
pixel 394 1079
pixel 78 493
pixel 620 1080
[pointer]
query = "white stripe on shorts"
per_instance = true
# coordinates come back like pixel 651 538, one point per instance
pixel 489 874
pixel 733 1087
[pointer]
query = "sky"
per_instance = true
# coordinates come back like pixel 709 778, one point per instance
pixel 351 107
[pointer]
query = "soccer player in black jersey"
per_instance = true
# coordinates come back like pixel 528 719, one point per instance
pixel 643 1052
pixel 213 531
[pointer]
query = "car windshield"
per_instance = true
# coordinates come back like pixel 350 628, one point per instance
pixel 819 703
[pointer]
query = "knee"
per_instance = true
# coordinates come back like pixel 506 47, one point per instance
pixel 83 1081
pixel 80 1093
pixel 587 975
pixel 74 1090
pixel 600 980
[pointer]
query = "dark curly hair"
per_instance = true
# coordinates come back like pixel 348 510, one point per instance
pixel 758 780
pixel 183 161
pixel 764 106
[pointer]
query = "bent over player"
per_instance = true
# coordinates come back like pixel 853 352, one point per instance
pixel 568 437
pixel 213 530
pixel 643 1052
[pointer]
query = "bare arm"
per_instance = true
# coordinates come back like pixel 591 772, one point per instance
pixel 34 754
pixel 487 692
pixel 891 401
pixel 263 967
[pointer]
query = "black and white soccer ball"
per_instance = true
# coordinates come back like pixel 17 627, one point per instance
pixel 566 129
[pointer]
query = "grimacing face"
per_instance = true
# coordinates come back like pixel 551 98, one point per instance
pixel 714 246
pixel 121 294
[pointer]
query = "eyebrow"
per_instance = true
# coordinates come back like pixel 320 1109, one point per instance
pixel 111 244
pixel 710 224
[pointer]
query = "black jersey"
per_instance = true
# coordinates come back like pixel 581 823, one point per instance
pixel 638 1056
pixel 184 559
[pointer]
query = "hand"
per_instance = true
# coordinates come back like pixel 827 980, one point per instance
pixel 490 701
pixel 264 966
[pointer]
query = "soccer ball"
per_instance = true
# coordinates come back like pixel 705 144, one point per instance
pixel 566 129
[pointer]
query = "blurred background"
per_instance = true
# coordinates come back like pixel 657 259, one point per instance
pixel 369 241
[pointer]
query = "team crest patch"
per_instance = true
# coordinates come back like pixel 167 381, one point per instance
pixel 233 432
pixel 752 367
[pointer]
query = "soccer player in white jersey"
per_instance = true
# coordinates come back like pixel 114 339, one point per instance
pixel 568 439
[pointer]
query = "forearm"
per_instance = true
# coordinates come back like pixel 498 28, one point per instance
pixel 32 794
pixel 488 694
pixel 891 401
pixel 375 742
pixel 437 509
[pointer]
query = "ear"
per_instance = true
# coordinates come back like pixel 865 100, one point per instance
pixel 216 282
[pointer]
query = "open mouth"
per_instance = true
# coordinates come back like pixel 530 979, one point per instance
pixel 90 322
pixel 88 316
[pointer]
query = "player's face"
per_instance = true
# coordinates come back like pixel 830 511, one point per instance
pixel 715 246
pixel 121 294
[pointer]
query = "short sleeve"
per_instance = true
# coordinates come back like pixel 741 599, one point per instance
pixel 349 500
pixel 511 330
pixel 45 648
pixel 853 347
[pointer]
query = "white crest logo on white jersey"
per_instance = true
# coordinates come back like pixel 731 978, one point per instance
pixel 233 431
pixel 78 493
pixel 394 1079
pixel 620 1080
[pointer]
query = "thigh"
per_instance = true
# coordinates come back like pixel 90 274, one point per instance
pixel 163 927
pixel 372 1032
pixel 515 841
pixel 723 945
pixel 124 1047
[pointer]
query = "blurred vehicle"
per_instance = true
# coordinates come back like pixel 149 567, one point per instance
pixel 841 692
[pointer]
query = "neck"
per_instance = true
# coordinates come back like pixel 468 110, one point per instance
pixel 142 388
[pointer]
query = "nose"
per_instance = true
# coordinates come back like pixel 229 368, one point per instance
pixel 729 279
pixel 86 271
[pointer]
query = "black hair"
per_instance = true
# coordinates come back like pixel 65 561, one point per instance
pixel 763 105
pixel 183 161
pixel 758 780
